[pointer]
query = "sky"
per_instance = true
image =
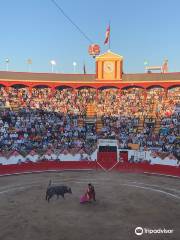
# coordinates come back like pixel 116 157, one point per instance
pixel 140 30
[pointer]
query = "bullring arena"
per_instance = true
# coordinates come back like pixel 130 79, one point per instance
pixel 124 201
pixel 118 131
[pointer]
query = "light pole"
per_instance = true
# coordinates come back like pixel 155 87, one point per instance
pixel 7 64
pixel 53 63
pixel 145 64
pixel 74 66
pixel 29 63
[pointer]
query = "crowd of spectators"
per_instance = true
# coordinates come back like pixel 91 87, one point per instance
pixel 30 129
pixel 41 118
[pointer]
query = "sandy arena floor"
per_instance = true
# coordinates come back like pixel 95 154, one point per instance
pixel 124 202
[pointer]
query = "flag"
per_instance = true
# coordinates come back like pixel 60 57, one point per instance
pixel 84 68
pixel 107 35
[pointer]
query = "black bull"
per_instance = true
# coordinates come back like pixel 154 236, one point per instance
pixel 57 190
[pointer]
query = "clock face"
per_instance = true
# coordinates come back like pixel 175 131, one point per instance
pixel 108 67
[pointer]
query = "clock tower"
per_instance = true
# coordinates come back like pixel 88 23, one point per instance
pixel 109 66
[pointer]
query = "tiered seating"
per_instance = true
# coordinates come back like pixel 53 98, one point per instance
pixel 99 125
pixel 157 126
pixel 91 110
pixel 141 125
pixel 42 118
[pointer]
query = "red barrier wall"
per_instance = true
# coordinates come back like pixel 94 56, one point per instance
pixel 146 167
pixel 45 166
pixel 107 159
pixel 88 165
pixel 123 156
pixel 107 156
